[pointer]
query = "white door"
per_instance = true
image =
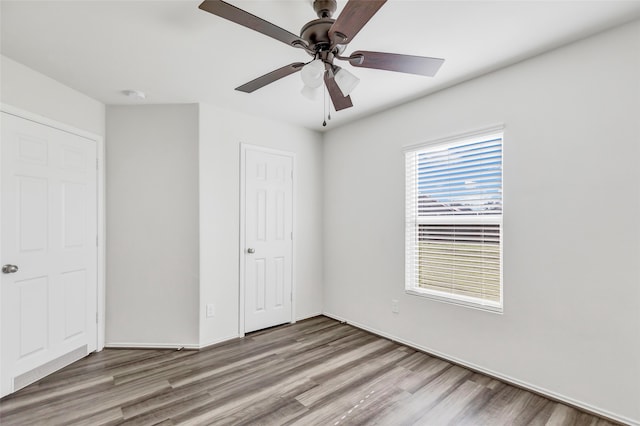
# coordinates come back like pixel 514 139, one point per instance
pixel 48 228
pixel 268 226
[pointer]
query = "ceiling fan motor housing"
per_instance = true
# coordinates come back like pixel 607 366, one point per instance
pixel 316 34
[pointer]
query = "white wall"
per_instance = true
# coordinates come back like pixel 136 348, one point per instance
pixel 571 322
pixel 31 91
pixel 173 221
pixel 152 225
pixel 221 132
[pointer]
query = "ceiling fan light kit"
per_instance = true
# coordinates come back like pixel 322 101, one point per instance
pixel 346 81
pixel 312 73
pixel 325 39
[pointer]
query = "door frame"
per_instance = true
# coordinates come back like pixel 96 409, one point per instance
pixel 100 182
pixel 241 303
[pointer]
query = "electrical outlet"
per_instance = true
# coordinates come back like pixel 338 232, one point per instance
pixel 395 306
pixel 211 310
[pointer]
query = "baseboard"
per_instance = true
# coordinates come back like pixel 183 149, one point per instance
pixel 136 345
pixel 505 378
pixel 190 346
pixel 217 341
pixel 306 317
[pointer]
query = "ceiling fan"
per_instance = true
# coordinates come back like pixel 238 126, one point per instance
pixel 325 39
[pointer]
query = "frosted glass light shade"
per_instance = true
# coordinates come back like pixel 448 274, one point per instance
pixel 346 81
pixel 312 74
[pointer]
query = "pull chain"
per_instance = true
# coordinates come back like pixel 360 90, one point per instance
pixel 328 109
pixel 324 106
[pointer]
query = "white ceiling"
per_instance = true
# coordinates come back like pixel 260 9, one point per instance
pixel 177 53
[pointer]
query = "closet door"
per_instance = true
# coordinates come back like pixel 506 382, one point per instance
pixel 48 249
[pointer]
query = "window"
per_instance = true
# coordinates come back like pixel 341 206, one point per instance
pixel 454 220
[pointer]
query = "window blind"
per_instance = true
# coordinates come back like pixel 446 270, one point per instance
pixel 454 220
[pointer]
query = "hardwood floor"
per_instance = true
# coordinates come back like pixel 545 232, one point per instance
pixel 315 372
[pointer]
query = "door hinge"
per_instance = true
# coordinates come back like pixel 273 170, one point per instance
pixel 97 164
pixel 96 317
pixel 97 241
pixel 291 236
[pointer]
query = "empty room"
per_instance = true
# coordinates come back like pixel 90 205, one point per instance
pixel 320 212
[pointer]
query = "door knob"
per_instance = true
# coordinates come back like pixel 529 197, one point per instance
pixel 9 269
pixel 250 251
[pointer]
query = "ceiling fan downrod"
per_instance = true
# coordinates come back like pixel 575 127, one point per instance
pixel 325 8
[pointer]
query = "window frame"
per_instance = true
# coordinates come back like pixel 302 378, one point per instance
pixel 412 220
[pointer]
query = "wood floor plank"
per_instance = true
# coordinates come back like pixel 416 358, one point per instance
pixel 110 415
pixel 422 375
pixel 450 407
pixel 542 416
pixel 151 414
pixel 62 391
pixel 352 378
pixel 511 404
pixel 373 403
pixel 347 401
pixel 281 412
pixel 64 410
pixel 315 372
pixel 266 406
pixel 412 409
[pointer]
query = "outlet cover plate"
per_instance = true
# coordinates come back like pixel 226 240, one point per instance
pixel 211 310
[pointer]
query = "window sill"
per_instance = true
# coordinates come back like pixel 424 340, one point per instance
pixel 453 300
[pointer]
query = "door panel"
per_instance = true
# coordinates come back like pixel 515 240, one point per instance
pixel 32 213
pixel 74 201
pixel 260 302
pixel 74 297
pixel 49 228
pixel 279 278
pixel 268 232
pixel 32 150
pixel 32 297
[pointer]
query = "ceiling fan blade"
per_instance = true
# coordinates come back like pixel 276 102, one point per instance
pixel 354 16
pixel 339 100
pixel 239 16
pixel 269 78
pixel 420 65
